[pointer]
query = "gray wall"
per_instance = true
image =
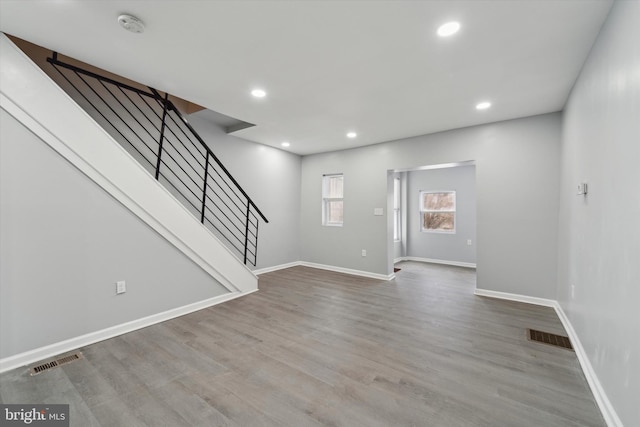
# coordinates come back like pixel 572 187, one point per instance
pixel 443 246
pixel 516 244
pixel 64 242
pixel 272 178
pixel 599 235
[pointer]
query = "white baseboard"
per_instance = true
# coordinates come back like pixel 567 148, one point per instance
pixel 437 261
pixel 604 404
pixel 260 271
pixel 349 271
pixel 51 350
pixel 606 408
pixel 516 297
pixel 325 267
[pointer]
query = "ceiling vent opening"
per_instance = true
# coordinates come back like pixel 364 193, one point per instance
pixel 46 366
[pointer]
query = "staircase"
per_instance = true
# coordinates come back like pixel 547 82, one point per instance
pixel 159 136
pixel 160 168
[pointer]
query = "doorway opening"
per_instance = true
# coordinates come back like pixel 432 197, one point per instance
pixel 432 214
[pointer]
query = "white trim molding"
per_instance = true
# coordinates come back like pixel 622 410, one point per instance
pixel 264 270
pixel 38 354
pixel 606 408
pixel 348 271
pixel 604 404
pixel 436 261
pixel 325 267
pixel 516 297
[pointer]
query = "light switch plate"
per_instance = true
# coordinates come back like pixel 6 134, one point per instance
pixel 121 287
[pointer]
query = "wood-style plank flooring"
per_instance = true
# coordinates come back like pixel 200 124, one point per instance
pixel 314 347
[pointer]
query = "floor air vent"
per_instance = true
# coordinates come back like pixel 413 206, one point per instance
pixel 38 369
pixel 551 339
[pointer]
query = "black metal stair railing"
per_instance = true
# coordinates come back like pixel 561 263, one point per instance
pixel 154 132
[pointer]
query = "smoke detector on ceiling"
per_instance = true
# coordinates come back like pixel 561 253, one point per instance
pixel 131 23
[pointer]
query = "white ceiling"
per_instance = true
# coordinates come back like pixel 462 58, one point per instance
pixel 375 67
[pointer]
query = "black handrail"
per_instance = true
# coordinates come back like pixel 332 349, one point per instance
pixel 231 215
pixel 213 156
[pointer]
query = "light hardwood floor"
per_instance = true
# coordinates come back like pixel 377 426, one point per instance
pixel 314 347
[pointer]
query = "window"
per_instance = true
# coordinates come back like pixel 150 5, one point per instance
pixel 438 211
pixel 396 210
pixel 332 200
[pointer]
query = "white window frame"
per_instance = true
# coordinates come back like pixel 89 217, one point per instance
pixel 397 200
pixel 326 200
pixel 423 211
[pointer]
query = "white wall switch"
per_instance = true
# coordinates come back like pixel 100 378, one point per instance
pixel 469 242
pixel 378 211
pixel 364 252
pixel 121 287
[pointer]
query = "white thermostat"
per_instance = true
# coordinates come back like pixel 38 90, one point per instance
pixel 582 189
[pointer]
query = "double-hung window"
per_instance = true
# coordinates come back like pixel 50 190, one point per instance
pixel 438 211
pixel 333 200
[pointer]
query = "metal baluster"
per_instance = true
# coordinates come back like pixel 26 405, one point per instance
pixel 164 116
pixel 204 187
pixel 255 256
pixel 246 232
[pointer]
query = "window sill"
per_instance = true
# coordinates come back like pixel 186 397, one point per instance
pixel 438 231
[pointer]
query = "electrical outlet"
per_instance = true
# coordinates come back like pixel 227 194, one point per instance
pixel 469 242
pixel 364 252
pixel 121 287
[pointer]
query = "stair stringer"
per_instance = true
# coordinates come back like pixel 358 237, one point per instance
pixel 35 100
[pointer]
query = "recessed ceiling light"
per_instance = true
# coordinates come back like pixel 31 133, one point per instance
pixel 285 144
pixel 448 29
pixel 131 23
pixel 258 93
pixel 351 135
pixel 483 105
